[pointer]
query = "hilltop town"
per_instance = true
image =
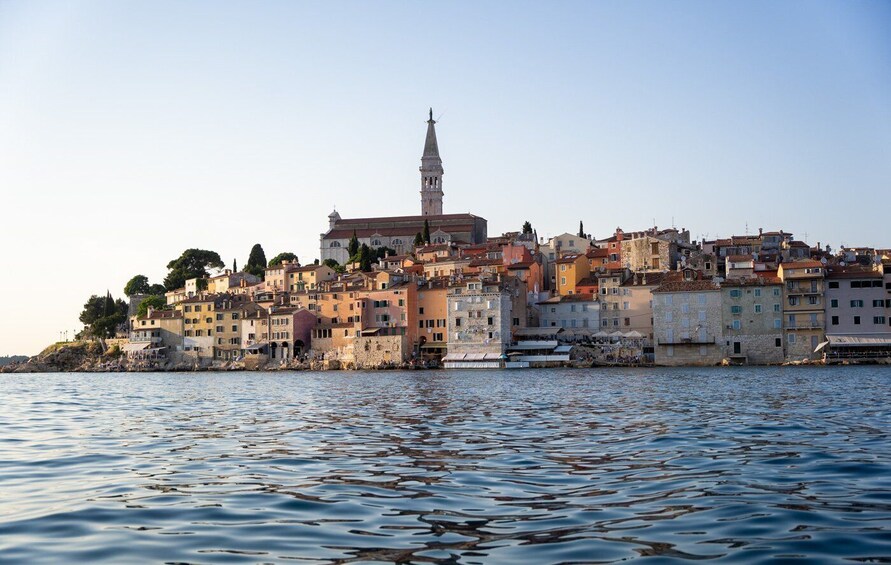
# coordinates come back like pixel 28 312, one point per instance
pixel 436 290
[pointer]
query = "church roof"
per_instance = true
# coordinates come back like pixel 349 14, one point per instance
pixel 431 147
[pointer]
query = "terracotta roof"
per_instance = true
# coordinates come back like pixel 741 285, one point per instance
pixel 597 253
pixel 852 272
pixel 805 264
pixel 580 297
pixel 409 232
pixel 521 265
pixel 752 281
pixel 687 286
pixel 485 262
pixel 739 258
pixel 571 258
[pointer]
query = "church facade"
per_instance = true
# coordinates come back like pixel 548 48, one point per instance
pixel 398 232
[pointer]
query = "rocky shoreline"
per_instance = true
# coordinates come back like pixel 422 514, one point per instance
pixel 93 357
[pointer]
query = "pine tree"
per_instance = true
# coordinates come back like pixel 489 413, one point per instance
pixel 581 229
pixel 527 227
pixel 427 232
pixel 234 265
pixel 419 240
pixel 353 246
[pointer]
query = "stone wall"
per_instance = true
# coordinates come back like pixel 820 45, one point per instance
pixel 758 349
pixel 374 351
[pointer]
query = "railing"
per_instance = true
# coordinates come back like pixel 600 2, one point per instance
pixel 687 341
pixel 145 339
pixel 805 326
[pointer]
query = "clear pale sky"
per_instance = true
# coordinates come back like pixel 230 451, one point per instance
pixel 130 131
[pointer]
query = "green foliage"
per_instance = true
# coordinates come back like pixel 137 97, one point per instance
pixel 286 256
pixel 234 265
pixel 581 229
pixel 102 315
pixel 315 262
pixel 137 285
pixel 427 232
pixel 140 285
pixel 154 302
pixel 419 240
pixel 193 263
pixel 256 263
pixel 157 290
pixel 527 227
pixel 353 246
pixel 384 251
pixel 337 267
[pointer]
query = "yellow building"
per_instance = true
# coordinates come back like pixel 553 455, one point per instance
pixel 309 277
pixel 570 270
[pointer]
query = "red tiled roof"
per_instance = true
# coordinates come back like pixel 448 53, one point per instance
pixel 686 286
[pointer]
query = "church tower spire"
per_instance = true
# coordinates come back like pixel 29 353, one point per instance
pixel 431 173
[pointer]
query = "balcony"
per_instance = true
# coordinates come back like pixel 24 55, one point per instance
pixel 144 339
pixel 818 325
pixel 687 341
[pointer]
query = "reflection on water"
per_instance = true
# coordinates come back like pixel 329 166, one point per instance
pixel 447 467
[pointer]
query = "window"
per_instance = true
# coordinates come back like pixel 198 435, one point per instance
pixel 562 281
pixel 878 303
pixel 234 328
pixel 791 338
pixel 757 292
pixel 736 309
pixel 219 317
pixel 685 308
pixel 833 303
pixel 736 324
pixel 668 299
pixel 793 301
pixel 776 307
pixel 627 306
pixel 421 310
pixel 777 323
pixel 856 320
pixel 702 315
pixel 833 284
pixel 457 322
pixel 835 320
pixel 627 321
pixel 813 299
pixel 219 329
pixel 735 293
pixel 856 304
pixel 197 307
pixel 878 320
pixel 757 308
pixel 335 244
pixel 776 292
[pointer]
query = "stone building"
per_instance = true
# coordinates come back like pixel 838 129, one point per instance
pixel 752 317
pixel 804 317
pixel 687 323
pixel 571 311
pixel 481 315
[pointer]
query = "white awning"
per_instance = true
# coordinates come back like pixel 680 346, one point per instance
pixel 128 347
pixel 859 340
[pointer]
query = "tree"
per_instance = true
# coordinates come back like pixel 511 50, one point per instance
pixel 527 227
pixel 382 252
pixel 256 263
pixel 419 240
pixel 364 258
pixel 353 246
pixel 154 302
pixel 157 290
pixel 427 232
pixel 338 268
pixel 102 315
pixel 137 285
pixel 286 256
pixel 234 265
pixel 193 263
pixel 581 229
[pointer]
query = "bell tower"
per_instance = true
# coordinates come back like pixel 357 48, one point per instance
pixel 431 173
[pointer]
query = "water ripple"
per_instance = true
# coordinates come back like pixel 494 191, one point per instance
pixel 739 465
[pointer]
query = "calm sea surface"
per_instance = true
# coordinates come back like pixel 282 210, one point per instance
pixel 557 466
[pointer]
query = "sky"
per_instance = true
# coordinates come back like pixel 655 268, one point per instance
pixel 130 131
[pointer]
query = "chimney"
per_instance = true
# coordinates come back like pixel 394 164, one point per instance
pixel 760 231
pixel 150 311
pixel 635 279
